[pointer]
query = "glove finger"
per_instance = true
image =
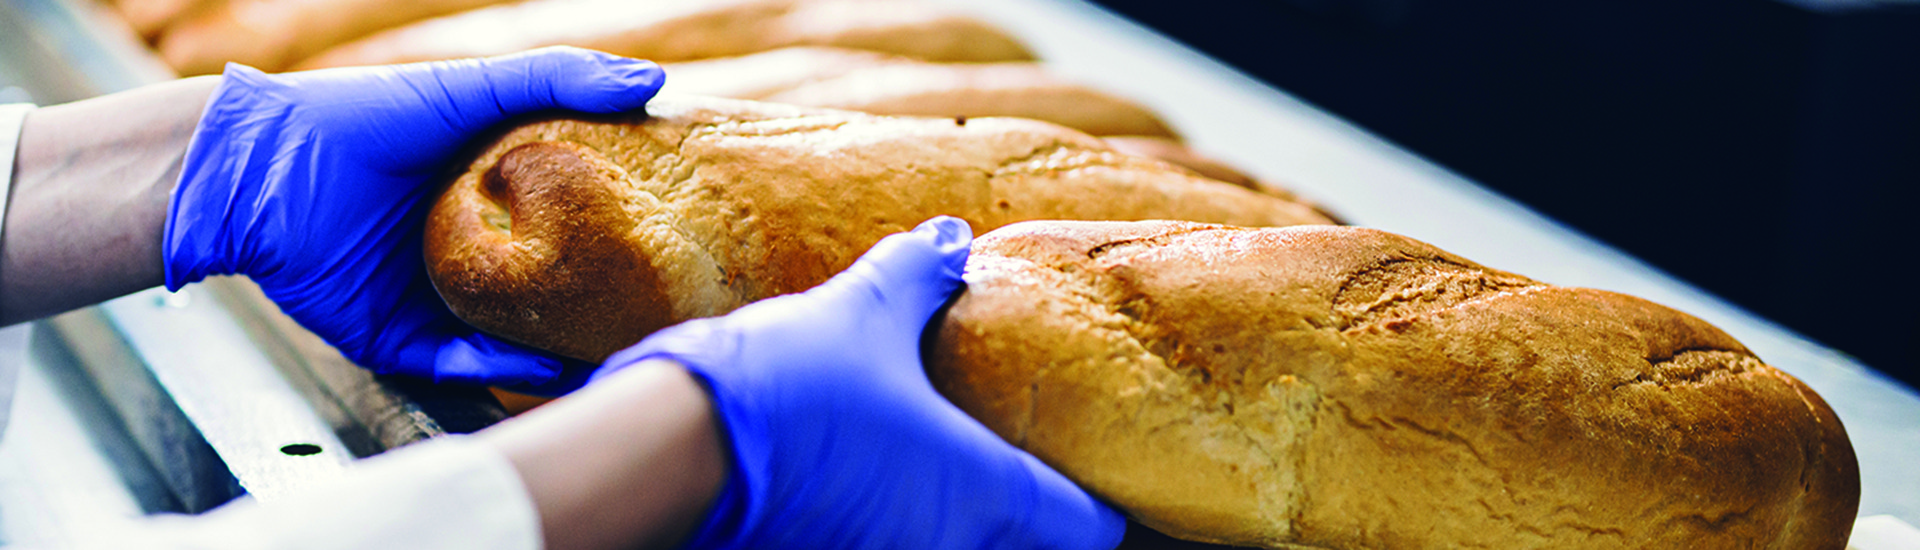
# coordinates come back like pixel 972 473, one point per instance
pixel 573 374
pixel 908 275
pixel 1063 516
pixel 570 78
pixel 475 358
pixel 696 344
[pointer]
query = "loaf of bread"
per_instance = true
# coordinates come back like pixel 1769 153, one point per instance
pixel 882 84
pixel 679 30
pixel 582 236
pixel 272 35
pixel 1334 387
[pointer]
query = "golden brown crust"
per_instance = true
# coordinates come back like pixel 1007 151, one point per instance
pixel 893 85
pixel 538 226
pixel 1348 388
pixel 678 30
pixel 606 230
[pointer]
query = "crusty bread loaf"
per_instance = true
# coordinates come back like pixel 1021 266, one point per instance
pixel 272 35
pixel 679 30
pixel 583 236
pixel 1348 388
pixel 882 84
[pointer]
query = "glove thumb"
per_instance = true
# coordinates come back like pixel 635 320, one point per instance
pixel 906 276
pixel 896 286
pixel 569 78
pixel 1062 515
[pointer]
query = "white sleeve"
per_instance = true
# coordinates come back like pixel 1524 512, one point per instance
pixel 12 117
pixel 446 493
pixel 13 339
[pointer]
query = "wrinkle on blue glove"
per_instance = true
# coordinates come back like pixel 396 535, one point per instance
pixel 839 439
pixel 316 184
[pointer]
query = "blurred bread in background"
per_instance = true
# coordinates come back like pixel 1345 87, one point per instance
pixel 884 84
pixel 891 57
pixel 149 17
pixel 669 31
pixel 272 35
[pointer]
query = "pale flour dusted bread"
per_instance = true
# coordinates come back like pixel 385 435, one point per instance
pixel 884 84
pixel 272 35
pixel 1333 387
pixel 582 236
pixel 679 30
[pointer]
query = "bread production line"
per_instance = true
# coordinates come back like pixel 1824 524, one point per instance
pixel 177 402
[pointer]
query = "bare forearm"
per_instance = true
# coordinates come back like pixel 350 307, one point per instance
pixel 632 461
pixel 89 204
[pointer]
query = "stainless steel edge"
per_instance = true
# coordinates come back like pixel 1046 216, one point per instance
pixel 267 434
pixel 131 411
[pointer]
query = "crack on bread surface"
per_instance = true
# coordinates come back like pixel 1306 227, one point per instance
pixel 1061 157
pixel 1405 287
pixel 1694 366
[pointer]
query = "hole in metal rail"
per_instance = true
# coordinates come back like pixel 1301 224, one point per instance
pixel 301 449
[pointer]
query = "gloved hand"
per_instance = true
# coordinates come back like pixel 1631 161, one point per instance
pixel 838 438
pixel 316 185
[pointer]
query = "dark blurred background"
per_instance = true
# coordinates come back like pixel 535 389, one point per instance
pixel 1765 150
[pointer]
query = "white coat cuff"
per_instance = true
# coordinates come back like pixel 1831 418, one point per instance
pixel 12 117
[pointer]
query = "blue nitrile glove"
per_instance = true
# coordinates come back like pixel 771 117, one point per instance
pixel 316 185
pixel 840 441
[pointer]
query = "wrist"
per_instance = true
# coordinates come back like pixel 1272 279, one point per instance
pixel 691 349
pixel 635 458
pixel 89 197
